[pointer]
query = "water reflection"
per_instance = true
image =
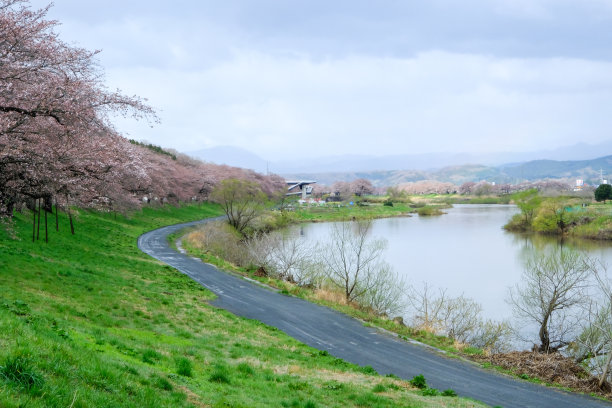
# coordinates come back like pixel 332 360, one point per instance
pixel 465 251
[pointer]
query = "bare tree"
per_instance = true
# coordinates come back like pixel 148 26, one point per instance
pixel 386 294
pixel 285 257
pixel 351 260
pixel 457 317
pixel 460 318
pixel 553 284
pixel 492 336
pixel 594 344
pixel 427 307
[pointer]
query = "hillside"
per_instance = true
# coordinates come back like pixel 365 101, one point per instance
pixel 588 170
pixel 90 321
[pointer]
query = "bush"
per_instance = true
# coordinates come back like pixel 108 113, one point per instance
pixel 419 381
pixel 368 370
pixel 430 392
pixel 449 393
pixel 388 203
pixel 428 211
pixel 221 240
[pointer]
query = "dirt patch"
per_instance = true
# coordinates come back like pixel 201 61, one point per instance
pixel 551 368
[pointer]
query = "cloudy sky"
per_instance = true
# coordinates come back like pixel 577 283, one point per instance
pixel 329 77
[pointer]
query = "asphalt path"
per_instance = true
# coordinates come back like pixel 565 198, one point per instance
pixel 347 338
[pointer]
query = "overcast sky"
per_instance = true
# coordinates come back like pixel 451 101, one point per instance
pixel 327 77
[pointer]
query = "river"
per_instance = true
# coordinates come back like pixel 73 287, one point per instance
pixel 464 251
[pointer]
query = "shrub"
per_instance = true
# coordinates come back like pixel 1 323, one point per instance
pixel 388 203
pixel 427 211
pixel 430 392
pixel 449 393
pixel 221 240
pixel 419 381
pixel 368 370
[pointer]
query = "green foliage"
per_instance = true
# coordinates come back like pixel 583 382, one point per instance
pixel 154 148
pixel 379 388
pixel 388 203
pixel 17 370
pixel 430 392
pixel 603 192
pixel 419 381
pixel 220 375
pixel 368 370
pixel 449 393
pixel 184 367
pixel 429 210
pixel 528 202
pixel 242 201
pixel 163 384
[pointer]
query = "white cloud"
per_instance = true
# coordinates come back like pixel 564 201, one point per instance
pixel 436 101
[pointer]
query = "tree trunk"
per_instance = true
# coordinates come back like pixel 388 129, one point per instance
pixel 71 224
pixel 46 230
pixel 38 226
pixel 34 224
pixel 544 337
pixel 604 375
pixel 69 215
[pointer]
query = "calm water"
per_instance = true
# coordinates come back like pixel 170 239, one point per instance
pixel 465 251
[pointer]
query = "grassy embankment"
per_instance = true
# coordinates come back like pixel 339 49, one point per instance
pixel 90 321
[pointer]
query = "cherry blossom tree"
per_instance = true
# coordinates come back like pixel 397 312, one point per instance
pixel 361 187
pixel 56 135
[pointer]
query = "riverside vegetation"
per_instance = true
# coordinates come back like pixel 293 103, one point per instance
pixel 278 260
pixel 90 321
pixel 561 215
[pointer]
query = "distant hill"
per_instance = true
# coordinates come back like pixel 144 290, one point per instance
pixel 417 162
pixel 589 170
pixel 232 156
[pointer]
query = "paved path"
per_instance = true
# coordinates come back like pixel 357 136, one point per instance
pixel 347 338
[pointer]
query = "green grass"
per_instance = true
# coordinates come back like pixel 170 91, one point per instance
pixel 90 321
pixel 342 212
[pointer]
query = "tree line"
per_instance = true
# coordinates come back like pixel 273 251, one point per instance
pixel 58 145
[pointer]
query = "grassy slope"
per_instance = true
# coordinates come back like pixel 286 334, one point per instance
pixel 90 321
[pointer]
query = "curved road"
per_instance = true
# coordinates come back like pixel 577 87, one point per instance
pixel 347 338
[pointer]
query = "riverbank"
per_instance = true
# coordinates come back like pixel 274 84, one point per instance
pixel 335 300
pixel 564 217
pixel 89 320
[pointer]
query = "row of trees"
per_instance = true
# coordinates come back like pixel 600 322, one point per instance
pixel 58 145
pixel 57 142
